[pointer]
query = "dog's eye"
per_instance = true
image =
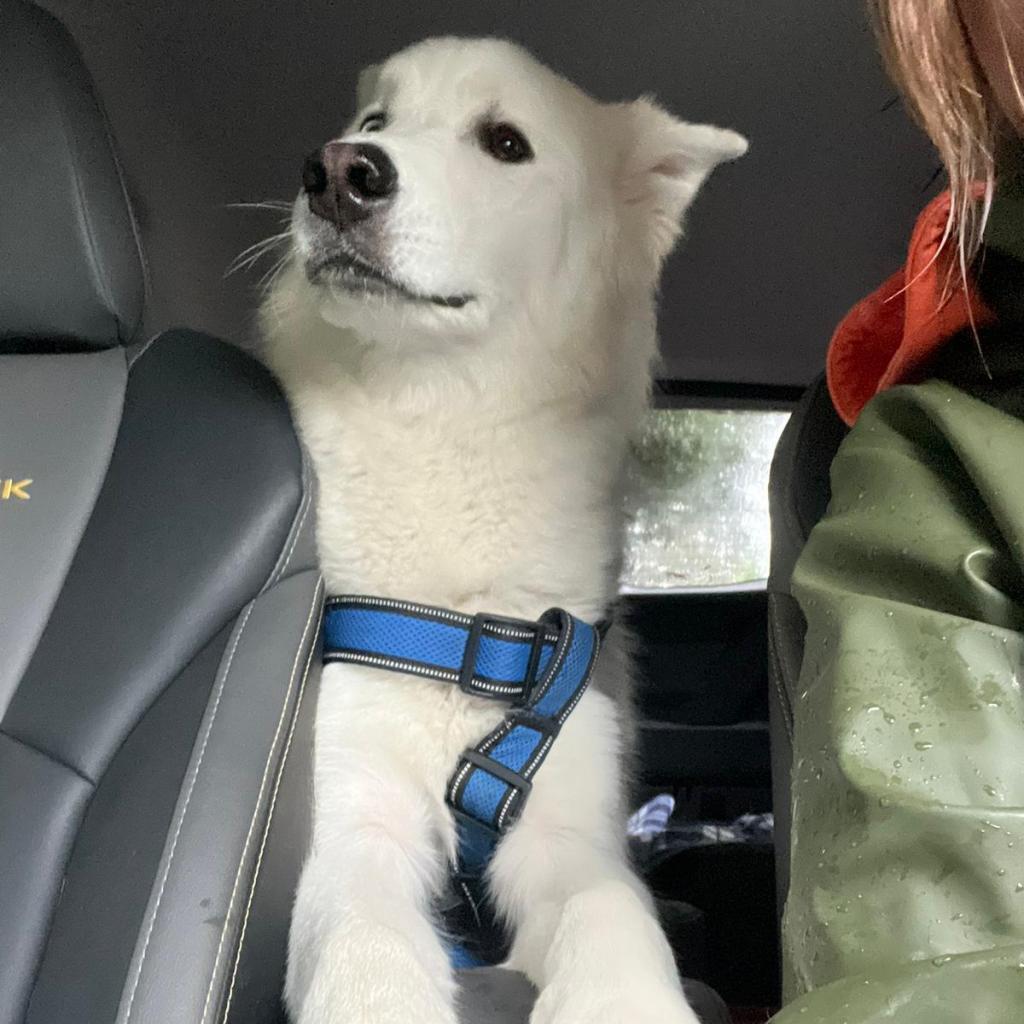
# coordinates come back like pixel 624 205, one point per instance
pixel 505 142
pixel 374 122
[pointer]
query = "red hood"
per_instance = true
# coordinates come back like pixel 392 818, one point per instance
pixel 887 338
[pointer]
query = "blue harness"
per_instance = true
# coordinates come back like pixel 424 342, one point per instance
pixel 539 668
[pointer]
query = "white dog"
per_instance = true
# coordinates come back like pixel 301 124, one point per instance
pixel 465 329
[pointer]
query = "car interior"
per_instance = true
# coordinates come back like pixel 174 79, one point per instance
pixel 160 607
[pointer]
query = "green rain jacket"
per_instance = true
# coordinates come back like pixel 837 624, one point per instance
pixel 906 900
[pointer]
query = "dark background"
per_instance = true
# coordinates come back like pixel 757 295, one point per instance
pixel 216 101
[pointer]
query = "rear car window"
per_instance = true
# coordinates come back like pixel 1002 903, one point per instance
pixel 697 502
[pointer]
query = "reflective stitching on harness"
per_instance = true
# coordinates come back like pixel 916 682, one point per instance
pixel 519 634
pixel 538 756
pixel 458 777
pixel 395 664
pixel 458 618
pixel 413 668
pixel 575 700
pixel 401 606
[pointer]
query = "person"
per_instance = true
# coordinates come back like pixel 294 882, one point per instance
pixel 906 899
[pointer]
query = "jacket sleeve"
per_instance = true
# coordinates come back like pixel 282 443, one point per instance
pixel 907 895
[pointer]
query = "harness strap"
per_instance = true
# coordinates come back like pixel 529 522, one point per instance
pixel 540 668
pixel 486 655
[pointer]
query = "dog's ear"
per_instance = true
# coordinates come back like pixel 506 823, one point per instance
pixel 665 161
pixel 366 86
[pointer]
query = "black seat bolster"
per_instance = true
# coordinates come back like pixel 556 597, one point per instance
pixel 185 967
pixel 799 493
pixel 251 992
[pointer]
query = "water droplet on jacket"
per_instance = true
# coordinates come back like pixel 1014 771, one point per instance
pixel 990 790
pixel 941 961
pixel 1019 887
pixel 915 728
pixel 889 719
pixel 923 745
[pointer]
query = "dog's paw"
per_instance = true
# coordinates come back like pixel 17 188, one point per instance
pixel 370 974
pixel 653 1005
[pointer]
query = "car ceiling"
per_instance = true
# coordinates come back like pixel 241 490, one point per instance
pixel 215 102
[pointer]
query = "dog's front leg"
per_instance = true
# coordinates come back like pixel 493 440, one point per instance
pixel 363 948
pixel 608 961
pixel 585 929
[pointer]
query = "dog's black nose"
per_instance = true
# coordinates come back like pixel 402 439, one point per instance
pixel 347 181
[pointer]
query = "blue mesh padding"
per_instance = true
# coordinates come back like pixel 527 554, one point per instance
pixel 482 794
pixel 395 635
pixel 517 747
pixel 571 673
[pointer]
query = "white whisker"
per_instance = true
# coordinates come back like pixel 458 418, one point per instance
pixel 251 254
pixel 268 279
pixel 264 204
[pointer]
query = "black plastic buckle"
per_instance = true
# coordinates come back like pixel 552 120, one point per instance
pixel 463 818
pixel 499 771
pixel 468 668
pixel 529 719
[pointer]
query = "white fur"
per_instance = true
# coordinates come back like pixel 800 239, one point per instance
pixel 472 458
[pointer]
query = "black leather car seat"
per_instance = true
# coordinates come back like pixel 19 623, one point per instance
pixel 159 605
pixel 799 494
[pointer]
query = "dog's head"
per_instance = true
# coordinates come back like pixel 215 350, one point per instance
pixel 476 188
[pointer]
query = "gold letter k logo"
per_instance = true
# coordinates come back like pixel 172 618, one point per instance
pixel 14 489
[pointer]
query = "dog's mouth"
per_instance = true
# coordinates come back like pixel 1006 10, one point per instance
pixel 353 273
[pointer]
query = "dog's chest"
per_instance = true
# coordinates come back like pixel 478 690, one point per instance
pixel 448 511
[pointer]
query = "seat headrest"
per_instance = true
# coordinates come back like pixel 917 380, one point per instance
pixel 71 270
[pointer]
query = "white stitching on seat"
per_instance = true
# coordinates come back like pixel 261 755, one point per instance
pixel 298 532
pixel 266 830
pixel 259 800
pixel 184 810
pixel 143 349
pixel 298 523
